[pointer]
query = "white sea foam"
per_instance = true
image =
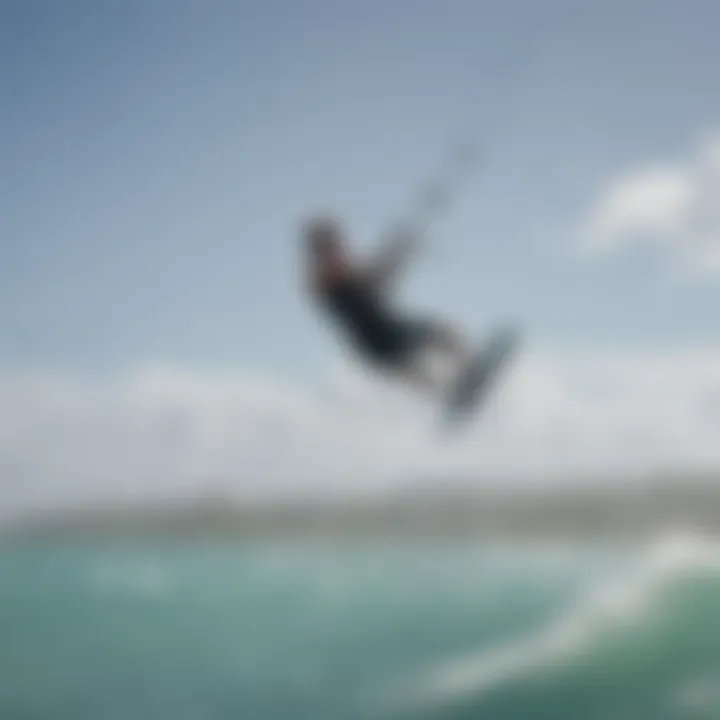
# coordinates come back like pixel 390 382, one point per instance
pixel 609 605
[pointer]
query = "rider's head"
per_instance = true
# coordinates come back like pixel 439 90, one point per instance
pixel 324 237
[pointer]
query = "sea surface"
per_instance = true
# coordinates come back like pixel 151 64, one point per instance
pixel 216 629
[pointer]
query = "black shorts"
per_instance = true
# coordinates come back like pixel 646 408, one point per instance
pixel 397 342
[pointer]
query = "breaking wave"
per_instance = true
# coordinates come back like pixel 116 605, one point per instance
pixel 613 604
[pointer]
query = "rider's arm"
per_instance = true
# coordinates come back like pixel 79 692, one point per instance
pixel 392 258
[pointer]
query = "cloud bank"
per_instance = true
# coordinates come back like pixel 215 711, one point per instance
pixel 162 430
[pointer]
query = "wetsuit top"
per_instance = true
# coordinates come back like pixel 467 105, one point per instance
pixel 360 311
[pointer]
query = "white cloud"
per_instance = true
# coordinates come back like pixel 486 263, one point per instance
pixel 651 200
pixel 168 430
pixel 673 205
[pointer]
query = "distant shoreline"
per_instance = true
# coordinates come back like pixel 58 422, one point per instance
pixel 635 511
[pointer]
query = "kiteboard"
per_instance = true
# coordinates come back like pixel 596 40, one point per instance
pixel 471 388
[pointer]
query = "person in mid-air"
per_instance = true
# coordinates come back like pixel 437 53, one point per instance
pixel 355 296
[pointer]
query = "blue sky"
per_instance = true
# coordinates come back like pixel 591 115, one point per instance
pixel 157 155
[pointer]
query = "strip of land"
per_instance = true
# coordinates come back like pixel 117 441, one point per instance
pixel 434 510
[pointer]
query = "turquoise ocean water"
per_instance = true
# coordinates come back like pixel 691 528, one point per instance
pixel 181 630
